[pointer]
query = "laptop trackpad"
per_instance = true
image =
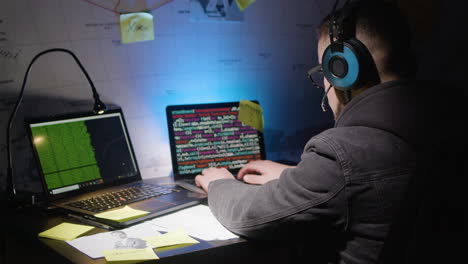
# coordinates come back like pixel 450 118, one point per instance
pixel 152 205
pixel 190 187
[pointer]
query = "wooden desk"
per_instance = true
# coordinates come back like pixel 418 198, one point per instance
pixel 24 246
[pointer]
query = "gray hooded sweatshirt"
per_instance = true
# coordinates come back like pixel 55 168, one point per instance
pixel 348 184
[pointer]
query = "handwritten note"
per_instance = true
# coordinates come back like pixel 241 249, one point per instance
pixel 251 114
pixel 8 54
pixel 136 27
pixel 176 237
pixel 243 4
pixel 121 256
pixel 122 215
pixel 65 231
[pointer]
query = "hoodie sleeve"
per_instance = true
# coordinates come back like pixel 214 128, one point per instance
pixel 308 197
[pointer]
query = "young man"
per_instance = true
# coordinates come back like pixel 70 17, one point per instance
pixel 347 188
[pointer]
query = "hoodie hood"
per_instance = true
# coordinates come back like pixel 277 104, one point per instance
pixel 407 109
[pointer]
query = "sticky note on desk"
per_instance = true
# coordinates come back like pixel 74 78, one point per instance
pixel 65 231
pixel 251 114
pixel 243 4
pixel 122 256
pixel 136 27
pixel 175 237
pixel 122 215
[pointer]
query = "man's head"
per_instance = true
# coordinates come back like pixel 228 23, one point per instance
pixel 383 29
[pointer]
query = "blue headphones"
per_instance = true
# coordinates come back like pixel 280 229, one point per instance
pixel 346 62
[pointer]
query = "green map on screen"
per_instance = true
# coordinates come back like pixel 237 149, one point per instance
pixel 66 154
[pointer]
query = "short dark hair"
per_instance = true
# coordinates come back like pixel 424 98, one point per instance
pixel 385 26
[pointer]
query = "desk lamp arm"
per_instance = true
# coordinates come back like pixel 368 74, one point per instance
pixel 99 108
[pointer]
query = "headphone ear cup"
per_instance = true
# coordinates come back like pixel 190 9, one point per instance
pixel 368 73
pixel 341 68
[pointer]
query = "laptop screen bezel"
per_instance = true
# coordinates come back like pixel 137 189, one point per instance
pixel 50 197
pixel 170 128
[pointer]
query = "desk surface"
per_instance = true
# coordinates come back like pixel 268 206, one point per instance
pixel 75 256
pixel 24 246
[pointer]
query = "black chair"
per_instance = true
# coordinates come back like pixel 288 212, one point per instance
pixel 430 226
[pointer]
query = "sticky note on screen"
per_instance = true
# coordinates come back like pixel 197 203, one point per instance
pixel 243 4
pixel 122 215
pixel 121 256
pixel 65 231
pixel 251 114
pixel 136 27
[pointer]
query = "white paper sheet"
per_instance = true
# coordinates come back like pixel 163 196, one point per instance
pixel 131 237
pixel 197 221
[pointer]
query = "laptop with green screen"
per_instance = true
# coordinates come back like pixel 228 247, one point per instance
pixel 87 166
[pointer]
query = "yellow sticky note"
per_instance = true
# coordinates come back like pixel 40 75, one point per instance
pixel 122 215
pixel 251 114
pixel 176 237
pixel 122 256
pixel 243 4
pixel 65 231
pixel 136 27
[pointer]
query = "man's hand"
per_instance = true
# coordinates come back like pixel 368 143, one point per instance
pixel 255 172
pixel 261 171
pixel 212 174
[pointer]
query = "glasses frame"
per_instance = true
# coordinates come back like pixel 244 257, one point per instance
pixel 316 69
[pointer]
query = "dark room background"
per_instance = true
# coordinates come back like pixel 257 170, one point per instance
pixel 262 54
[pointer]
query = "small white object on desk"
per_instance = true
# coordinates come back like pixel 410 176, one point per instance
pixel 128 238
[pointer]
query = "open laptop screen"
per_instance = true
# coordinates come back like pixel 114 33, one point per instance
pixel 210 135
pixel 83 152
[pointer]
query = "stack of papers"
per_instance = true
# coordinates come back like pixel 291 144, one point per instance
pixel 128 238
pixel 136 242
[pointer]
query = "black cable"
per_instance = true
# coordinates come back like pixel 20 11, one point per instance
pixel 324 109
pixel 99 108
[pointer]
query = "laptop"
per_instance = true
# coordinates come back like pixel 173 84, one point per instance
pixel 210 135
pixel 87 166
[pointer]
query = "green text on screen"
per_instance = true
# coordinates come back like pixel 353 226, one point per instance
pixel 66 154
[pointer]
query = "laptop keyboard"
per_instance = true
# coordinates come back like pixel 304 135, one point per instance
pixel 120 198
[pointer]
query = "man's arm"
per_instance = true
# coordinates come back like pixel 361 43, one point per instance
pixel 306 197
